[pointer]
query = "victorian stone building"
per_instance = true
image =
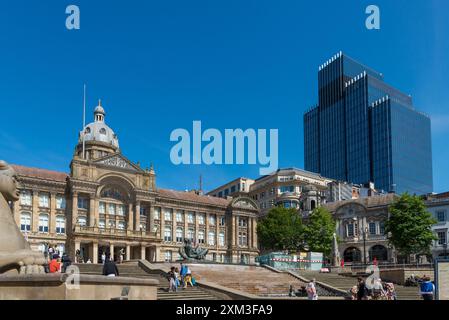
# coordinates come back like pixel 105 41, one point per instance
pixel 360 227
pixel 109 204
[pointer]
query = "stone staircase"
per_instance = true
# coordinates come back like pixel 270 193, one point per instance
pixel 254 280
pixel 345 283
pixel 133 270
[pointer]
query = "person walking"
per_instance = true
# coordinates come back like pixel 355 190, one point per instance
pixel 110 268
pixel 362 291
pixel 311 290
pixel 103 257
pixel 66 262
pixel 171 277
pixel 426 288
pixel 188 277
pixel 183 272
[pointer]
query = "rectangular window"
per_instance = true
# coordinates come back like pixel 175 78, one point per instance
pixel 168 256
pixel 201 219
pixel 121 225
pixel 168 214
pixel 441 237
pixel 44 201
pixel 83 203
pixel 102 208
pixel 179 216
pixel 60 202
pixel 243 239
pixel 60 225
pixel 372 228
pixel 101 224
pixel 191 234
pixel 232 189
pixel 222 221
pixel 26 198
pixel 43 223
pixel 212 220
pixel 25 222
pixel 111 209
pixel 382 227
pixel 121 210
pixel 82 221
pixel 441 216
pixel 157 213
pixel 201 236
pixel 179 234
pixel 143 211
pixel 190 217
pixel 220 194
pixel 211 238
pixel 221 239
pixel 350 230
pixel 243 222
pixel 112 224
pixel 167 234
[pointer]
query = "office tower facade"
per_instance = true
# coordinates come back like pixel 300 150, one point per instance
pixel 364 130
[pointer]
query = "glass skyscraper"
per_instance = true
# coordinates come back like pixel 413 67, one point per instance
pixel 364 130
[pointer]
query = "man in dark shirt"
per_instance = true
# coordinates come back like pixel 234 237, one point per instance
pixel 110 268
pixel 362 290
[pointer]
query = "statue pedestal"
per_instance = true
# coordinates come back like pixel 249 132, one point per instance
pixel 91 287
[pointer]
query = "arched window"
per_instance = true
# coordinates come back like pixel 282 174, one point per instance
pixel 379 252
pixel 60 224
pixel 312 204
pixel 211 238
pixel 352 254
pixel 103 131
pixel 167 234
pixel 43 223
pixel 25 221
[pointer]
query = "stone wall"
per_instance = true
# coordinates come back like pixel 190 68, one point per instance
pixel 399 276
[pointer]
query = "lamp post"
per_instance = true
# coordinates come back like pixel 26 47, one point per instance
pixel 364 232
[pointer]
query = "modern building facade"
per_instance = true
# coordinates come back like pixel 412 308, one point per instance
pixel 109 204
pixel 231 189
pixel 364 130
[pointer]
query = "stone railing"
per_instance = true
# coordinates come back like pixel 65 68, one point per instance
pixel 115 232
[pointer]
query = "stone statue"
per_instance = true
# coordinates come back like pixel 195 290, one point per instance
pixel 335 252
pixel 190 252
pixel 15 252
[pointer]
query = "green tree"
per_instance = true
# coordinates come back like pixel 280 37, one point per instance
pixel 281 229
pixel 409 227
pixel 319 231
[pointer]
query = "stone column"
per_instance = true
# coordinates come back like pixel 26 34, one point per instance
pixel 128 252
pixel 95 252
pixel 92 215
pixel 174 225
pixel 206 232
pixel 130 217
pixel 255 233
pixel 52 217
pixel 137 216
pixel 162 223
pixel 196 226
pixel 111 250
pixel 76 248
pixel 74 208
pixel 250 233
pixel 35 213
pixel 151 217
pixel 142 252
pixel 217 231
pixel 186 224
pixel 233 231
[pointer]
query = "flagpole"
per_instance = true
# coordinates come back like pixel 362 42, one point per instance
pixel 84 123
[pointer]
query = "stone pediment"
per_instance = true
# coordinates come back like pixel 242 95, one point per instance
pixel 118 161
pixel 244 203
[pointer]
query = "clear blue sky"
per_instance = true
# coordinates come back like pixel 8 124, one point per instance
pixel 159 65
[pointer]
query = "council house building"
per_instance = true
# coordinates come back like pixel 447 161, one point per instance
pixel 109 204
